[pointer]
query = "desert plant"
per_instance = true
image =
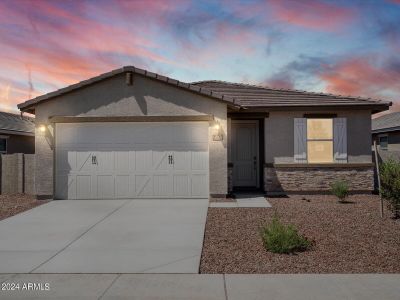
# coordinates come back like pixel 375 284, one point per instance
pixel 390 184
pixel 280 238
pixel 340 189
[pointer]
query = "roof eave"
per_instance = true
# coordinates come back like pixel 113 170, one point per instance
pixel 375 107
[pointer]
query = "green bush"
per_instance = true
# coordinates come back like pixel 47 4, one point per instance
pixel 390 184
pixel 281 238
pixel 340 189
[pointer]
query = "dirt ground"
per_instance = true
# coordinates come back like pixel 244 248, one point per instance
pixel 349 238
pixel 14 204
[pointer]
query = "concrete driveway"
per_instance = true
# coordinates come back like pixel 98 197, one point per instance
pixel 105 236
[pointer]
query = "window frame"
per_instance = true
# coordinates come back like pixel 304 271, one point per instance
pixel 320 139
pixel 387 141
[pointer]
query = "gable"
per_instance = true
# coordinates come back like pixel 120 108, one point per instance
pixel 113 97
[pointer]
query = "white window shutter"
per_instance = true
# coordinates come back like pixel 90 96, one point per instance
pixel 300 140
pixel 340 140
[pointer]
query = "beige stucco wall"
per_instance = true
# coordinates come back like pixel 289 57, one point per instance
pixel 113 97
pixel 279 139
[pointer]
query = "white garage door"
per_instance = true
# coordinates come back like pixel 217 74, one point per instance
pixel 132 160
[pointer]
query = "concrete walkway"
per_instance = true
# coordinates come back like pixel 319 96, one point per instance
pixel 210 287
pixel 244 201
pixel 105 236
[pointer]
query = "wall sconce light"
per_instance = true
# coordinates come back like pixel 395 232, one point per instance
pixel 42 128
pixel 217 132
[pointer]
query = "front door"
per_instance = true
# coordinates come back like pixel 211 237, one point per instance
pixel 245 153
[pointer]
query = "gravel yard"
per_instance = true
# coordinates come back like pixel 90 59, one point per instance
pixel 349 238
pixel 14 204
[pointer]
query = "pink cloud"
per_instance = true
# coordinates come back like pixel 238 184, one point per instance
pixel 363 76
pixel 64 46
pixel 312 14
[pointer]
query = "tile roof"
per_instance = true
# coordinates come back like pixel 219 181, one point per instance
pixel 14 122
pixel 389 121
pixel 260 96
pixel 236 95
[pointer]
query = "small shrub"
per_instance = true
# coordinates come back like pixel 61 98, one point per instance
pixel 390 184
pixel 281 238
pixel 340 189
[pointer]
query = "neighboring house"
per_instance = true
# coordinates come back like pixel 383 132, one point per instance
pixel 17 134
pixel 131 133
pixel 386 133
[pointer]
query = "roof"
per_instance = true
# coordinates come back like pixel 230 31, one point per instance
pixel 27 105
pixel 236 95
pixel 251 96
pixel 16 123
pixel 389 122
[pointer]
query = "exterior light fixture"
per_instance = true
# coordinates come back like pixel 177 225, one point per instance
pixel 42 128
pixel 217 132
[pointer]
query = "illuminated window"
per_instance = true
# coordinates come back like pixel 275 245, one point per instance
pixel 320 140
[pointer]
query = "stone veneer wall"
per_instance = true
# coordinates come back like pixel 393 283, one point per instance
pixel 316 179
pixel 230 178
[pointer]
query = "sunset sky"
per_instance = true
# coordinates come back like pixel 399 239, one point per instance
pixel 344 47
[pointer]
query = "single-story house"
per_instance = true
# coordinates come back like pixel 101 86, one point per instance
pixel 131 133
pixel 386 134
pixel 17 134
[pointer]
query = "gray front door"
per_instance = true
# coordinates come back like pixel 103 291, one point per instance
pixel 245 153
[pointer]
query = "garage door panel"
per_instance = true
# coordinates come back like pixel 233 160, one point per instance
pixel 122 186
pixel 143 160
pixel 83 186
pixel 181 134
pixel 125 160
pixel 199 183
pixel 160 160
pixel 199 160
pixel 83 161
pixel 151 133
pixel 144 186
pixel 162 185
pixel 199 134
pixel 181 160
pixel 122 161
pixel 105 187
pixel 181 185
pixel 105 161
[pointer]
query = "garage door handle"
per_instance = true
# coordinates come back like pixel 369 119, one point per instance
pixel 94 160
pixel 170 159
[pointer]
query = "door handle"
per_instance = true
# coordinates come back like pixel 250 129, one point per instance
pixel 170 159
pixel 94 160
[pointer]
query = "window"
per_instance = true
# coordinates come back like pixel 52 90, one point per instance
pixel 320 140
pixel 3 145
pixel 383 142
